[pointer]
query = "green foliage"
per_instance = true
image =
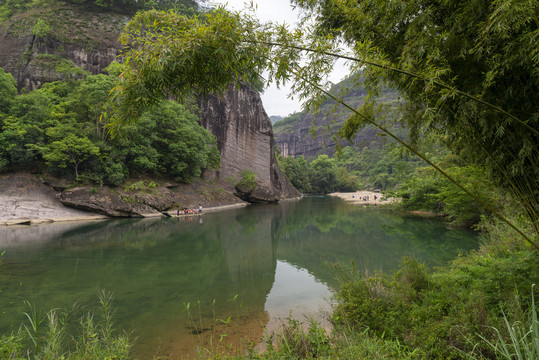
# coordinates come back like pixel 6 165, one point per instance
pixel 352 169
pixel 168 140
pixel 524 340
pixel 128 7
pixel 247 180
pixel 70 151
pixel 48 336
pixel 297 170
pixel 10 7
pixel 290 120
pixel 438 313
pixel 427 190
pixel 22 126
pixel 60 126
pixel 294 341
pixel 41 28
pixel 114 173
pixel 141 185
pixel 60 66
pixel 203 58
pixel 8 91
pixel 324 174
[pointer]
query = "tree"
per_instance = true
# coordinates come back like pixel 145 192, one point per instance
pixel 298 172
pixel 170 54
pixel 168 141
pixel 90 97
pixel 70 151
pixel 8 90
pixel 323 174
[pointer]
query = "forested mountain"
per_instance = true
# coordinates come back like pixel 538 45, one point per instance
pixel 312 133
pixel 316 159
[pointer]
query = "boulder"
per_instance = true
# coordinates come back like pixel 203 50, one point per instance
pixel 258 194
pixel 161 200
pixel 106 202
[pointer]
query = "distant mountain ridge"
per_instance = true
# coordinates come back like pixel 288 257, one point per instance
pixel 294 135
pixel 275 118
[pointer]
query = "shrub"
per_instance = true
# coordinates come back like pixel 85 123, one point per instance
pixel 248 179
pixel 452 308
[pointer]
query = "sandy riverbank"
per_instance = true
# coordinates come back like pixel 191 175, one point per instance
pixel 364 197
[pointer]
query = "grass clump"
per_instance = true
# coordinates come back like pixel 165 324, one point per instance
pixel 293 341
pixel 58 335
pixel 523 342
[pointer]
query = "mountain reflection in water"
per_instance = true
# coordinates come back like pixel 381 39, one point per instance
pixel 254 264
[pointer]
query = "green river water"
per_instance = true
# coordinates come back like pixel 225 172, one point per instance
pixel 255 264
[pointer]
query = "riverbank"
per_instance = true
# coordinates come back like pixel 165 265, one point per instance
pixel 364 197
pixel 27 199
pixel 26 219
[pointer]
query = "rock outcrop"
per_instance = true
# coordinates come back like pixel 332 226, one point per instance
pixel 73 40
pixel 245 139
pixel 24 199
pixel 27 199
pixel 294 136
pixel 82 40
pixel 106 202
pixel 299 141
pixel 258 194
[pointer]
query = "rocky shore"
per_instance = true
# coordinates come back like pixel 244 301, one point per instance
pixel 27 199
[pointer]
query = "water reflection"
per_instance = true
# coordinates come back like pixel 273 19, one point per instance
pixel 254 263
pixel 296 294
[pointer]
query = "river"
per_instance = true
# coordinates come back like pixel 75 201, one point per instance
pixel 177 281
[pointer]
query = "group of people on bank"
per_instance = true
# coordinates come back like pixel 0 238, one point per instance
pixel 190 211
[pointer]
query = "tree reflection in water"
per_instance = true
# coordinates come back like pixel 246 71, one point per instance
pixel 158 267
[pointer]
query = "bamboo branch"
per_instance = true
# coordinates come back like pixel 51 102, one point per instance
pixel 424 158
pixel 411 74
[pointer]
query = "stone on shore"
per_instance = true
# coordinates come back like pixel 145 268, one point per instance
pixel 106 202
pixel 258 194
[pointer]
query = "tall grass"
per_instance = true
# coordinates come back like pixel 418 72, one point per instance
pixel 523 342
pixel 53 335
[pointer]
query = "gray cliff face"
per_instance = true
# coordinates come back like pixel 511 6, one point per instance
pixel 298 140
pixel 77 40
pixel 245 138
pixel 81 40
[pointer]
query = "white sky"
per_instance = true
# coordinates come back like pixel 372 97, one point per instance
pixel 276 101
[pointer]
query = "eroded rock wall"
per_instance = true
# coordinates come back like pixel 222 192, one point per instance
pixel 245 138
pixel 76 40
pixel 79 39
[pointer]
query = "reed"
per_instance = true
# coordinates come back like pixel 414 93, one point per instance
pixel 51 335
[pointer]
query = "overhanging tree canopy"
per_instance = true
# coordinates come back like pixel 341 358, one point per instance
pixel 441 63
